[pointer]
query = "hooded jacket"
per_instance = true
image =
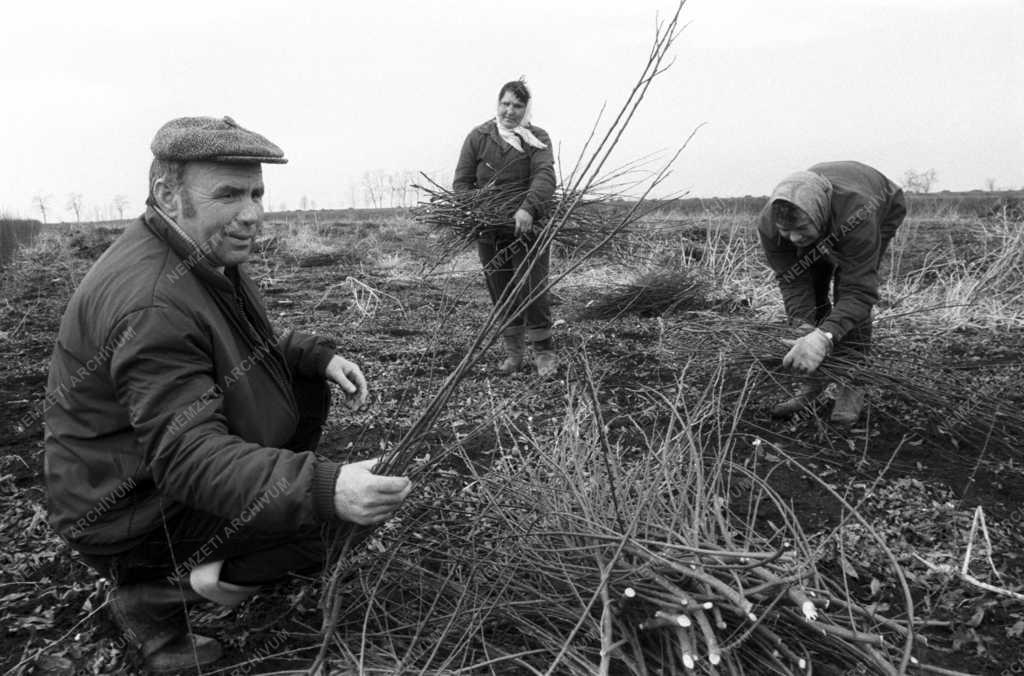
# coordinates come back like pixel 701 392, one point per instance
pixel 167 389
pixel 528 175
pixel 856 209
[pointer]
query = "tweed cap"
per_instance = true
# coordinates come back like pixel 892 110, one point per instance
pixel 211 139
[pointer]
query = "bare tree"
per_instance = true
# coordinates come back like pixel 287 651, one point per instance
pixel 75 205
pixel 120 203
pixel 919 181
pixel 387 188
pixel 396 191
pixel 374 187
pixel 990 184
pixel 42 202
pixel 303 203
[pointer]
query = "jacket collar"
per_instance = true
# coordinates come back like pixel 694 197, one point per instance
pixel 490 129
pixel 192 254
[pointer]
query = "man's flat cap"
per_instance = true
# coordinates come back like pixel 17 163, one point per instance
pixel 211 139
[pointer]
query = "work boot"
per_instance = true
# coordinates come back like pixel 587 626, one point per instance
pixel 848 406
pixel 514 350
pixel 806 394
pixel 153 616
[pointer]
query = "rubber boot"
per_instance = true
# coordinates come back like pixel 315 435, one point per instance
pixel 848 406
pixel 514 350
pixel 153 616
pixel 804 398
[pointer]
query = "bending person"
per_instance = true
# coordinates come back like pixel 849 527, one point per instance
pixel 829 226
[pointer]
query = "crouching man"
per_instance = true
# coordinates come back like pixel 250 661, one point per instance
pixel 180 431
pixel 829 226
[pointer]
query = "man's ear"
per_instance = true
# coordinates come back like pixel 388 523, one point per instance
pixel 167 198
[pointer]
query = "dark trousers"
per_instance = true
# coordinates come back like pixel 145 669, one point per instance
pixel 251 557
pixel 858 339
pixel 500 256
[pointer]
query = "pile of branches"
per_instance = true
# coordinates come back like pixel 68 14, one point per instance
pixel 573 556
pixel 460 218
pixel 658 292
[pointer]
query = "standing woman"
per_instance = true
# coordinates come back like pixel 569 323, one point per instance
pixel 514 158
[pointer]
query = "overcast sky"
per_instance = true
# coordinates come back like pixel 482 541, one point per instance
pixel 347 87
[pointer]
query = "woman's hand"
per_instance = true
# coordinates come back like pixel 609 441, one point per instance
pixel 524 223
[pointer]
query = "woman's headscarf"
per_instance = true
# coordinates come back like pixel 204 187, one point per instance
pixel 809 191
pixel 513 136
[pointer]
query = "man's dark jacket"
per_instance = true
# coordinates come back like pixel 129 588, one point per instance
pixel 167 389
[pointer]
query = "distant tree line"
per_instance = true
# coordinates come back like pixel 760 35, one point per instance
pixel 76 207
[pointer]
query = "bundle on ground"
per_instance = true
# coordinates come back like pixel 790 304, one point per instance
pixel 657 292
pixel 576 556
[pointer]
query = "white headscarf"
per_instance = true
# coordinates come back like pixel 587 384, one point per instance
pixel 513 136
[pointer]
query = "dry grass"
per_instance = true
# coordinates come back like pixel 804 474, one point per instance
pixel 977 285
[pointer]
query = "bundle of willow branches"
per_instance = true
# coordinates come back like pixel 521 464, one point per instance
pixel 459 218
pixel 581 558
pixel 657 292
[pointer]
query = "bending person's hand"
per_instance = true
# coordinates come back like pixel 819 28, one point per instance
pixel 366 498
pixel 349 376
pixel 524 222
pixel 807 353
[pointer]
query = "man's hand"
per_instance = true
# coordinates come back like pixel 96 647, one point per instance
pixel 807 353
pixel 366 498
pixel 351 380
pixel 524 222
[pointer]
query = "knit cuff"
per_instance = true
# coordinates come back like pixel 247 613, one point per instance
pixel 322 355
pixel 834 328
pixel 325 478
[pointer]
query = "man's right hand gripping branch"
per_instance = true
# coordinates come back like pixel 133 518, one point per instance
pixel 365 498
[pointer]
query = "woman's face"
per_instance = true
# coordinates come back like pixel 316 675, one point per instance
pixel 510 110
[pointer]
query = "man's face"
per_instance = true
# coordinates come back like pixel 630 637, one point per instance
pixel 221 208
pixel 802 232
